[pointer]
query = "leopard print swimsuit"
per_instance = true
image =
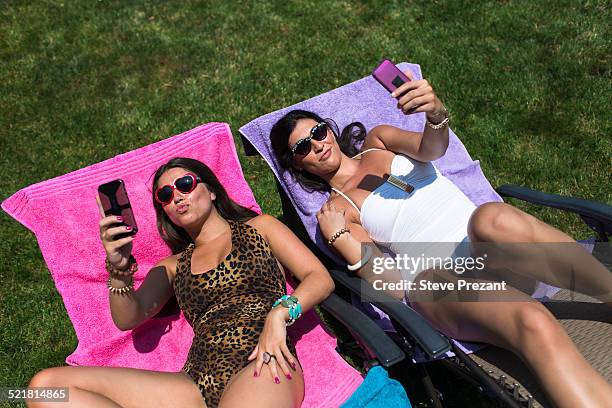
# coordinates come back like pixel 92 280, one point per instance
pixel 227 307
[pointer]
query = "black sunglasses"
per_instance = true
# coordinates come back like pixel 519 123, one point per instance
pixel 185 185
pixel 303 146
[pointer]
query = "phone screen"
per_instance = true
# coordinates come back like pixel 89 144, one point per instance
pixel 115 201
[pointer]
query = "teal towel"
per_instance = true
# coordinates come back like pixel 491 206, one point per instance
pixel 378 391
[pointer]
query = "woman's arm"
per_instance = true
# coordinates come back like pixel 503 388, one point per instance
pixel 431 144
pixel 130 309
pixel 349 246
pixel 315 283
pixel 133 308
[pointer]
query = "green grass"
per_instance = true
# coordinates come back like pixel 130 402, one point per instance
pixel 528 85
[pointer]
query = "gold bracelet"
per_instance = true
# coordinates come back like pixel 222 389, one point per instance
pixel 438 126
pixel 131 269
pixel 120 291
pixel 336 235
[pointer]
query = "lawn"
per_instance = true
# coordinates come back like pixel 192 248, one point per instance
pixel 528 86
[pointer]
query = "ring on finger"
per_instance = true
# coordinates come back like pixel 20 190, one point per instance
pixel 267 357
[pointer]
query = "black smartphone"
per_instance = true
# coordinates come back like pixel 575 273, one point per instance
pixel 115 201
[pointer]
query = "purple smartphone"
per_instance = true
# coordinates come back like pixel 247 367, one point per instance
pixel 115 202
pixel 389 76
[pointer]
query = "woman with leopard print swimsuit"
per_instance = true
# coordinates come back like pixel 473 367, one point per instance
pixel 227 308
pixel 225 270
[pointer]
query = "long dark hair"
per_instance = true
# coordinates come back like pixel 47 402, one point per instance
pixel 279 135
pixel 176 237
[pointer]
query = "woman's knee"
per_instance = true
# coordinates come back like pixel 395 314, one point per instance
pixel 49 377
pixel 536 328
pixel 499 222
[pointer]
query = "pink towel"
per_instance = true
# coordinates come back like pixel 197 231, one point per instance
pixel 63 215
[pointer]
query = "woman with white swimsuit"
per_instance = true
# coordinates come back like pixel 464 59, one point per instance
pixel 434 211
pixel 391 193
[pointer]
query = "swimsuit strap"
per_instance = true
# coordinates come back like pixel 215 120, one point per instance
pixel 347 199
pixel 365 151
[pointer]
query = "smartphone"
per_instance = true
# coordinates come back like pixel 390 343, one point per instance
pixel 389 76
pixel 114 198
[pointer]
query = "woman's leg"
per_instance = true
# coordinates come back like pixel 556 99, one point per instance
pixel 524 327
pixel 555 258
pixel 246 390
pixel 118 387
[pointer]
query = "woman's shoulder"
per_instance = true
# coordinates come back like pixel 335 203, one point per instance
pixel 170 263
pixel 373 149
pixel 262 222
pixel 374 155
pixel 375 136
pixel 260 218
pixel 267 226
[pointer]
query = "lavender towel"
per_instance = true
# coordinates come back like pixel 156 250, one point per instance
pixel 368 102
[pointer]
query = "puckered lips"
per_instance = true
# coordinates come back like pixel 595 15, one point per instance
pixel 182 208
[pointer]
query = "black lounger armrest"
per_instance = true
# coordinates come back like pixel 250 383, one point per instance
pixel 249 149
pixel 597 215
pixel 371 337
pixel 429 339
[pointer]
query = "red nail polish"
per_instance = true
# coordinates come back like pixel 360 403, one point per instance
pixel 119 218
pixel 255 374
pixel 277 380
pixel 128 228
pixel 293 366
pixel 289 376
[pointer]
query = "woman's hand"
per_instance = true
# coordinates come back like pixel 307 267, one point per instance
pixel 273 340
pixel 418 96
pixel 331 220
pixel 117 251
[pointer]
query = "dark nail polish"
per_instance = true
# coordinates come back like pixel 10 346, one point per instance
pixel 293 366
pixel 255 374
pixel 277 380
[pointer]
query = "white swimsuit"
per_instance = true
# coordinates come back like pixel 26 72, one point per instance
pixel 436 211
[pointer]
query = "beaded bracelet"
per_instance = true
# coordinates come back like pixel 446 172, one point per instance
pixel 336 235
pixel 131 270
pixel 294 306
